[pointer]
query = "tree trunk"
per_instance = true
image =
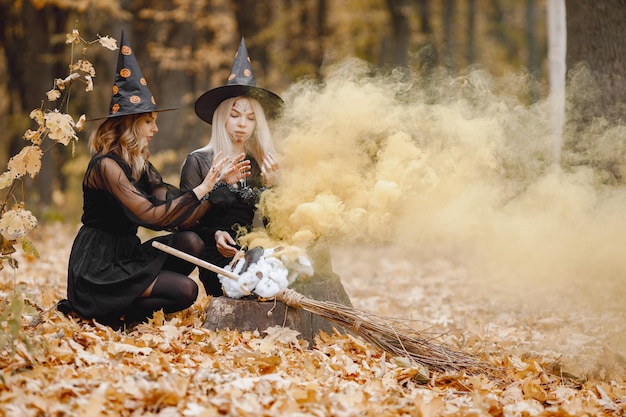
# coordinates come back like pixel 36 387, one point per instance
pixel 423 11
pixel 400 30
pixel 252 314
pixel 32 58
pixel 533 56
pixel 427 56
pixel 448 36
pixel 500 31
pixel 320 36
pixel 595 38
pixel 470 53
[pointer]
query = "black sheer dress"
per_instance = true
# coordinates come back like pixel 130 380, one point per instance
pixel 232 207
pixel 109 267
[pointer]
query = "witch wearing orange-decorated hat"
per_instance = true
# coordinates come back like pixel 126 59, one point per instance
pixel 239 113
pixel 112 277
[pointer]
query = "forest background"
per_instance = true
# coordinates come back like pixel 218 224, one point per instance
pixel 186 47
pixel 423 125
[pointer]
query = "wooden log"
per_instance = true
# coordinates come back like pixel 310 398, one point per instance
pixel 249 314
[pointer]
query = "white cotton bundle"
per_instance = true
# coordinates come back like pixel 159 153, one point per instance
pixel 272 275
pixel 240 287
pixel 265 277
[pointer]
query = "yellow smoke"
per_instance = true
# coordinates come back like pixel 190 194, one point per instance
pixel 459 166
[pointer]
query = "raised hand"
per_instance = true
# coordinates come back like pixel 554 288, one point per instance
pixel 217 165
pixel 237 170
pixel 269 170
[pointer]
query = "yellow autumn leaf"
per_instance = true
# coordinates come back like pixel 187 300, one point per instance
pixel 73 37
pixel 7 178
pixel 89 81
pixel 7 247
pixel 84 66
pixel 27 161
pixel 58 82
pixel 80 124
pixel 87 67
pixel 14 223
pixel 62 83
pixel 53 95
pixel 34 135
pixel 116 348
pixel 60 126
pixel 108 42
pixel 82 356
pixel 95 402
pixel 37 115
pixel 158 318
pixel 278 335
pixel 29 248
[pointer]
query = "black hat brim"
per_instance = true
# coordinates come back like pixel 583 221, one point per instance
pixel 118 114
pixel 208 102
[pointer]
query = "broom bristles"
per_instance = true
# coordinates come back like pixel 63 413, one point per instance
pixel 385 334
pixel 381 332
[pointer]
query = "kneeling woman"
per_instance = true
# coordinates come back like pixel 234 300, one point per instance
pixel 112 276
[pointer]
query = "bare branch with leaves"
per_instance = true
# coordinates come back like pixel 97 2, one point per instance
pixel 54 126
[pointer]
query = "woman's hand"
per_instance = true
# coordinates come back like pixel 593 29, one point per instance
pixel 237 170
pixel 269 170
pixel 211 178
pixel 225 244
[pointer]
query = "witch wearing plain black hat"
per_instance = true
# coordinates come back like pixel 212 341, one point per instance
pixel 113 277
pixel 238 112
pixel 240 82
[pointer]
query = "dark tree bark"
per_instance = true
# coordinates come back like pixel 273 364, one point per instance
pixel 595 38
pixel 399 11
pixel 531 42
pixel 470 52
pixel 499 30
pixel 448 36
pixel 320 35
pixel 423 11
pixel 32 58
pixel 427 56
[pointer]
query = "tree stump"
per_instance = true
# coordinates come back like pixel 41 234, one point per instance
pixel 249 314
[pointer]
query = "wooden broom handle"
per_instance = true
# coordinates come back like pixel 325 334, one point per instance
pixel 194 260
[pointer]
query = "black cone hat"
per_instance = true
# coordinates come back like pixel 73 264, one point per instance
pixel 240 82
pixel 131 94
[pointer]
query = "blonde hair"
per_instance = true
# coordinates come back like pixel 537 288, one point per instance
pixel 121 136
pixel 258 145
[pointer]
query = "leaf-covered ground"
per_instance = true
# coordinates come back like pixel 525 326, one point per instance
pixel 562 355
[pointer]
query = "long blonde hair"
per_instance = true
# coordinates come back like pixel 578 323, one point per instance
pixel 121 136
pixel 258 145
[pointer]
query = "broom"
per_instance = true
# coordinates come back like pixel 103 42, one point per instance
pixel 388 334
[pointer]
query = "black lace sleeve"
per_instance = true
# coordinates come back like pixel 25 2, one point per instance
pixel 195 168
pixel 149 202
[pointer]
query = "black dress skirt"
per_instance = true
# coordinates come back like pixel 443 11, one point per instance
pixel 109 267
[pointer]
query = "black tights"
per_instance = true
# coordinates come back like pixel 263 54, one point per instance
pixel 173 290
pixel 188 242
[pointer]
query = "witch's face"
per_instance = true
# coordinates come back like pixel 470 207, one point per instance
pixel 241 121
pixel 147 128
